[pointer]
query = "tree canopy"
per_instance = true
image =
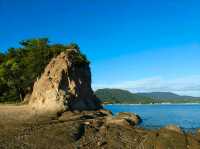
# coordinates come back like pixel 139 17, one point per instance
pixel 20 67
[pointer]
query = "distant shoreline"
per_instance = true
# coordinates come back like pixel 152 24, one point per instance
pixel 153 104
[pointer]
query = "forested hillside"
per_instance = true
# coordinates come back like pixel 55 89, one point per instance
pixel 20 67
pixel 120 96
pixel 166 95
pixel 124 96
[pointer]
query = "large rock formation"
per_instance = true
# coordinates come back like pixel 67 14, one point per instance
pixel 65 85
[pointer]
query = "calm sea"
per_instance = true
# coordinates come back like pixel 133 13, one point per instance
pixel 186 116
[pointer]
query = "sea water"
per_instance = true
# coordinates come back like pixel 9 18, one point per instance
pixel 187 116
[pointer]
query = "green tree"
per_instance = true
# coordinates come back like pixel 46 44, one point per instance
pixel 2 56
pixel 20 67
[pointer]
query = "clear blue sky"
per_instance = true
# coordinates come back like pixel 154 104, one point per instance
pixel 140 45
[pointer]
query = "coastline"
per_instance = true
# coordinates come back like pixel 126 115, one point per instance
pixel 153 104
pixel 159 115
pixel 87 130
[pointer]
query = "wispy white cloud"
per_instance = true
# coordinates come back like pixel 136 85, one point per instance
pixel 189 85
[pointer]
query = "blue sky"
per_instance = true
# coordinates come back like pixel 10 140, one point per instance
pixel 146 45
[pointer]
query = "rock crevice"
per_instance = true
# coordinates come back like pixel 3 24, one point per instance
pixel 65 85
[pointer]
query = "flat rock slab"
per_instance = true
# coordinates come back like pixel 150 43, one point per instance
pixel 83 130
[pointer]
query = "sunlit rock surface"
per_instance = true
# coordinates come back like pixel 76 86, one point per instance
pixel 65 85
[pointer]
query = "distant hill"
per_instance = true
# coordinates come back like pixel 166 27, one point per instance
pixel 123 96
pixel 120 96
pixel 165 95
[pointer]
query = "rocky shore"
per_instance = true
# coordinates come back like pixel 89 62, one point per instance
pixel 87 130
pixel 63 112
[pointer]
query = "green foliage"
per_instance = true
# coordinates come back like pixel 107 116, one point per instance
pixel 73 46
pixel 120 96
pixel 2 56
pixel 20 67
pixel 80 59
pixel 126 97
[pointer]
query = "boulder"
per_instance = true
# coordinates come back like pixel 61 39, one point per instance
pixel 132 118
pixel 174 128
pixel 65 85
pixel 198 131
pixel 124 118
pixel 117 121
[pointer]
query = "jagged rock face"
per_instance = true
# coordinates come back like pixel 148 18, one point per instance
pixel 64 85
